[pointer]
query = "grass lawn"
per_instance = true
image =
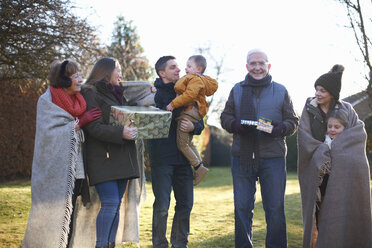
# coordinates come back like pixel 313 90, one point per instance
pixel 212 218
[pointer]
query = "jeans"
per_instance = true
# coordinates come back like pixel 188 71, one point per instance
pixel 272 176
pixel 164 177
pixel 110 193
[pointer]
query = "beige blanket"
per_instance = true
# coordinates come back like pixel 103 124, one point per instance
pixel 345 214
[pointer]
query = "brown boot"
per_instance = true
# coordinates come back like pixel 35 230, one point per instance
pixel 199 174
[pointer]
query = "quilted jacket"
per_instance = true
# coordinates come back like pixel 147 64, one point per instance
pixel 193 89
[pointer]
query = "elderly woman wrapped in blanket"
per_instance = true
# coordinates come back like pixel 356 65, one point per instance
pixel 59 217
pixel 57 167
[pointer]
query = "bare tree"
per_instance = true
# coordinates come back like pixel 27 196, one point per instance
pixel 216 69
pixel 33 33
pixel 359 25
pixel 217 64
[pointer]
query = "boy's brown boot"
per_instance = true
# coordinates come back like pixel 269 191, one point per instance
pixel 199 174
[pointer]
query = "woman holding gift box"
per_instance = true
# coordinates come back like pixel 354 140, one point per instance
pixel 110 151
pixel 335 183
pixel 57 168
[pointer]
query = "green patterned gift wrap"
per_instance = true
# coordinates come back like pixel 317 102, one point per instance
pixel 152 123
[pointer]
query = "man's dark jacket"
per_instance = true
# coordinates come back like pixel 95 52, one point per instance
pixel 165 151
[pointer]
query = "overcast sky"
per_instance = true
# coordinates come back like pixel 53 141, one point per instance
pixel 303 38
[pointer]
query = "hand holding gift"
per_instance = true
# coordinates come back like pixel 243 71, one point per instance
pixel 278 129
pixel 129 132
pixel 240 127
pixel 169 107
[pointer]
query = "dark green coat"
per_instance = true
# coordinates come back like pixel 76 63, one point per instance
pixel 318 123
pixel 107 155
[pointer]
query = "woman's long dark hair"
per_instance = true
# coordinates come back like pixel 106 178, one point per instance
pixel 101 71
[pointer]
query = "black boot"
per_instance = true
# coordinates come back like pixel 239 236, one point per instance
pixel 111 245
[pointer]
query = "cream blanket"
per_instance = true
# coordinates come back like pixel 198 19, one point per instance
pixel 345 214
pixel 56 154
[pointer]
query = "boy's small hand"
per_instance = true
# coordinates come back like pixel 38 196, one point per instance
pixel 169 107
pixel 186 126
pixel 153 89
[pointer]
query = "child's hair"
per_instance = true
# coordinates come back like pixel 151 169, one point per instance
pixel 199 61
pixel 340 115
pixel 162 63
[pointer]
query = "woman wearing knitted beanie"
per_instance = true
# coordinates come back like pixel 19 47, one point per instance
pixel 57 167
pixel 334 182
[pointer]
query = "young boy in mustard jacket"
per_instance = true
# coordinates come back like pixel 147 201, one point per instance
pixel 192 90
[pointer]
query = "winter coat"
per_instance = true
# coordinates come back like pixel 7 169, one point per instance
pixel 273 103
pixel 318 123
pixel 107 155
pixel 165 151
pixel 194 88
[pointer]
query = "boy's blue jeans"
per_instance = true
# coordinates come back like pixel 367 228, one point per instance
pixel 110 193
pixel 164 178
pixel 272 177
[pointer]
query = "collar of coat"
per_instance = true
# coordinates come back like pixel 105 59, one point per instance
pixel 160 84
pixel 312 107
pixel 313 102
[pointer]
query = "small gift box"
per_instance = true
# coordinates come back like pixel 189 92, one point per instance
pixel 151 122
pixel 262 124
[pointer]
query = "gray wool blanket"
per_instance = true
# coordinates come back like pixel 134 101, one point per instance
pixel 345 213
pixel 84 236
pixel 57 153
pixel 138 93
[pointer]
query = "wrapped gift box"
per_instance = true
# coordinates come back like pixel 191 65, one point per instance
pixel 152 123
pixel 262 124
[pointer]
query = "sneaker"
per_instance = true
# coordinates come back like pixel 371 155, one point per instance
pixel 199 174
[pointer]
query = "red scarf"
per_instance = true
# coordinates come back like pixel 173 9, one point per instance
pixel 74 105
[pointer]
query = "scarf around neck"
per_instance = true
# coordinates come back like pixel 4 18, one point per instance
pixel 117 91
pixel 258 83
pixel 249 143
pixel 75 105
